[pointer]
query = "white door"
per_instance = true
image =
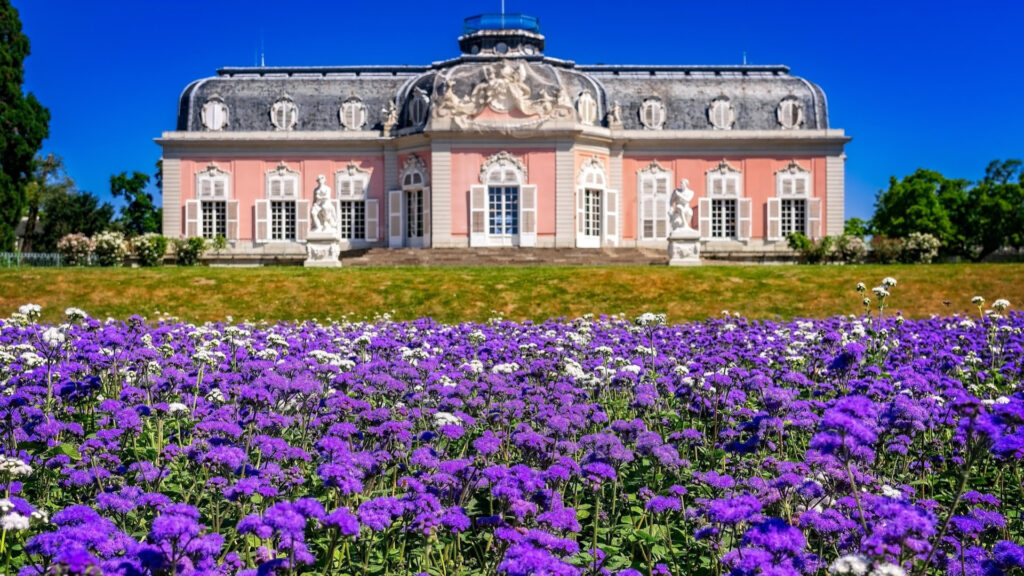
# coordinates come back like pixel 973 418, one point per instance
pixel 414 200
pixel 591 215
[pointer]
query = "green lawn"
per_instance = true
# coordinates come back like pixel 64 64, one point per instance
pixel 516 293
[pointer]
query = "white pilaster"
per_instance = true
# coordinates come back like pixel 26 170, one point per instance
pixel 565 194
pixel 835 195
pixel 441 194
pixel 172 198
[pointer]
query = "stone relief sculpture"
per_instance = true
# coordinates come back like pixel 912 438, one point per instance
pixel 324 215
pixel 390 114
pixel 614 116
pixel 680 213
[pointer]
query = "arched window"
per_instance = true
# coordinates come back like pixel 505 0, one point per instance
pixel 653 184
pixel 212 212
pixel 793 210
pixel 357 214
pixel 724 213
pixel 409 208
pixel 503 207
pixel 283 215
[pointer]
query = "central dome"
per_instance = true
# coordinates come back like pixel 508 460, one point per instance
pixel 501 35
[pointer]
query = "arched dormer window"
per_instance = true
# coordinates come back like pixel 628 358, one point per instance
pixel 503 207
pixel 653 185
pixel 213 212
pixel 793 209
pixel 419 105
pixel 283 215
pixel 724 213
pixel 597 207
pixel 214 113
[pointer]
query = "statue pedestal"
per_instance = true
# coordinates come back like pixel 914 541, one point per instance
pixel 684 247
pixel 322 250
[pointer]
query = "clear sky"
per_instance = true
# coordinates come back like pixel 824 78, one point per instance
pixel 938 85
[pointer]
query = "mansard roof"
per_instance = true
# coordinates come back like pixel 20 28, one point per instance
pixel 509 60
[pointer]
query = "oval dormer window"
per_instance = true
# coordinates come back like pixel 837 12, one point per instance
pixel 419 105
pixel 721 114
pixel 586 108
pixel 352 114
pixel 790 113
pixel 215 114
pixel 652 114
pixel 284 114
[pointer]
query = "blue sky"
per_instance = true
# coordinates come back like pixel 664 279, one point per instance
pixel 916 84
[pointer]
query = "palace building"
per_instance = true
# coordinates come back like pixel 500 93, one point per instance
pixel 502 146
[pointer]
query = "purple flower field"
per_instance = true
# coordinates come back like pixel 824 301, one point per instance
pixel 866 445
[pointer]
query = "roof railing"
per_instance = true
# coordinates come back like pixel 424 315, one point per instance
pixel 501 22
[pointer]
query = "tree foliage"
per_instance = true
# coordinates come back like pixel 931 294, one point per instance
pixel 970 221
pixel 23 125
pixel 140 215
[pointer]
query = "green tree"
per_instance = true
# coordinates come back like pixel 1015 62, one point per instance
pixel 856 227
pixel 66 212
pixel 997 209
pixel 49 178
pixel 140 215
pixel 23 125
pixel 912 205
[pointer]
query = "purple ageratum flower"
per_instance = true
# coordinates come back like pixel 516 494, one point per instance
pixel 344 521
pixel 777 537
pixel 1008 554
pixel 662 504
pixel 743 508
pixel 560 519
pixel 527 560
pixel 895 526
pixel 716 480
pixel 487 444
pixel 598 472
pixel 848 430
pixel 378 513
pixel 455 519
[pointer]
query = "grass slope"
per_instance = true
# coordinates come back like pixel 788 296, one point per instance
pixel 517 293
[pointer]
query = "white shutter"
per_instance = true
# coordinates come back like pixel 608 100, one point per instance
pixel 814 218
pixel 611 217
pixel 193 215
pixel 288 189
pixel 372 221
pixel 731 186
pixel 219 188
pixel 716 187
pixel 275 188
pixel 262 220
pixel 704 217
pixel 232 219
pixel 801 186
pixel 395 218
pixel 787 187
pixel 478 215
pixel 579 215
pixel 661 208
pixel 426 217
pixel 774 223
pixel 743 229
pixel 205 188
pixel 301 220
pixel 528 216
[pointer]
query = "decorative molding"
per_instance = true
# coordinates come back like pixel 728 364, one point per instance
pixel 353 170
pixel 724 168
pixel 212 171
pixel 352 114
pixel 654 168
pixel 214 114
pixel 282 170
pixel 721 113
pixel 793 168
pixel 790 113
pixel 592 165
pixel 503 160
pixel 284 114
pixel 413 165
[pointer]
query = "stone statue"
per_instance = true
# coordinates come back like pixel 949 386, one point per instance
pixel 324 215
pixel 679 212
pixel 390 115
pixel 614 116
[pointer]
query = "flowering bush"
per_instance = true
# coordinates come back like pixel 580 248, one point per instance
pixel 921 248
pixel 110 248
pixel 150 249
pixel 188 251
pixel 75 249
pixel 860 445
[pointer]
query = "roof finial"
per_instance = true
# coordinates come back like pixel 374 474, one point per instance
pixel 744 57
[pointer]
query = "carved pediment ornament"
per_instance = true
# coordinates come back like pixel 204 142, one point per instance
pixel 502 159
pixel 592 164
pixel 353 169
pixel 724 168
pixel 794 168
pixel 414 163
pixel 212 171
pixel 654 168
pixel 282 169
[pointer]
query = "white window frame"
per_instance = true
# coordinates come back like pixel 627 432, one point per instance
pixel 281 184
pixel 653 187
pixel 724 183
pixel 784 112
pixel 794 182
pixel 212 185
pixel 418 107
pixel 414 178
pixel 353 114
pixel 721 114
pixel 502 170
pixel 215 115
pixel 352 184
pixel 593 177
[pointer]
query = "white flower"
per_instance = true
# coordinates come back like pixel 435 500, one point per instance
pixel 890 492
pixel 6 506
pixel 856 564
pixel 1001 305
pixel 861 287
pixel 175 407
pixel 886 569
pixel 53 336
pixel 880 292
pixel 40 515
pixel 31 311
pixel 888 281
pixel 650 319
pixel 977 300
pixel 446 418
pixel 14 522
pixel 14 467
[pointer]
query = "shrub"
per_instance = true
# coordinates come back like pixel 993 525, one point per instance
pixel 75 249
pixel 188 251
pixel 110 248
pixel 850 249
pixel 886 250
pixel 150 249
pixel 920 248
pixel 812 251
